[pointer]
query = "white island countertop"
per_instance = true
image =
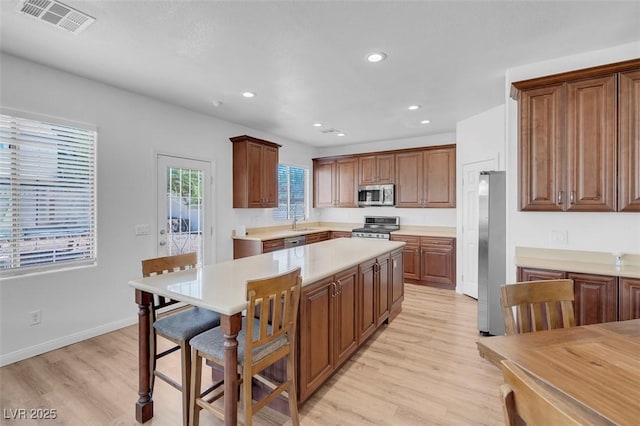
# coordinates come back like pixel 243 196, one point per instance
pixel 221 287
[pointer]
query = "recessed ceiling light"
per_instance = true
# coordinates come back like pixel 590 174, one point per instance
pixel 248 94
pixel 340 134
pixel 425 122
pixel 376 57
pixel 317 124
pixel 414 107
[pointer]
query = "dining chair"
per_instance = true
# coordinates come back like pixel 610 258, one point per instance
pixel 268 334
pixel 525 400
pixel 178 327
pixel 537 305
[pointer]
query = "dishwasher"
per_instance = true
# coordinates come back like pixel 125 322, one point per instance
pixel 295 241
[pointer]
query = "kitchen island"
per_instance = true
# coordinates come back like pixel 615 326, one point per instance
pixel 350 287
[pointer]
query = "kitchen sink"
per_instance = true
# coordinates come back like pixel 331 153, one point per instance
pixel 303 229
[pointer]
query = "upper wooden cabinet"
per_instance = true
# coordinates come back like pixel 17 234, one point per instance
pixel 377 169
pixel 335 182
pixel 629 141
pixel 426 178
pixel 255 173
pixel 579 139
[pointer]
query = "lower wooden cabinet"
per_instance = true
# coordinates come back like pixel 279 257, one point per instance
pixel 338 313
pixel 328 311
pixel 429 260
pixel 317 237
pixel 340 234
pixel 598 298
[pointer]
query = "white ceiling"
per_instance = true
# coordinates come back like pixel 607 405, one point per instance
pixel 306 60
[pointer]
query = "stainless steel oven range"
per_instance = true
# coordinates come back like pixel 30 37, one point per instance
pixel 377 227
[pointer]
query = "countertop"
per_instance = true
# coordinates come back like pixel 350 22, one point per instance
pixel 270 233
pixel 598 263
pixel 221 287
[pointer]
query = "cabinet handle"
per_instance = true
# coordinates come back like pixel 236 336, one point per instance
pixel 339 287
pixel 560 197
pixel 572 196
pixel 333 294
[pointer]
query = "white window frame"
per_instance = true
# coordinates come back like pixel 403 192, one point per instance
pixel 289 216
pixel 19 130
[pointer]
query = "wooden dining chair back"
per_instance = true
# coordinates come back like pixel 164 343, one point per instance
pixel 525 400
pixel 268 335
pixel 537 305
pixel 178 326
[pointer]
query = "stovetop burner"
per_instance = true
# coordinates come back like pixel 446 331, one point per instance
pixel 377 227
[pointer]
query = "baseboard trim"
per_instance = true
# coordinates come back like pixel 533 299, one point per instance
pixel 31 351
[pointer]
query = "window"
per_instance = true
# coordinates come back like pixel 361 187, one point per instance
pixel 47 195
pixel 292 190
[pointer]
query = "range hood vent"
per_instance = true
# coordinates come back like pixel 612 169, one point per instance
pixel 57 14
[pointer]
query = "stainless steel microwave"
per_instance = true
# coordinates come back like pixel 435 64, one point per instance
pixel 376 195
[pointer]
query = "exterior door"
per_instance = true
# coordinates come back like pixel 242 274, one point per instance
pixel 183 206
pixel 471 173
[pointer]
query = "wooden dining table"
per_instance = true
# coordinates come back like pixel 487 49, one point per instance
pixel 594 366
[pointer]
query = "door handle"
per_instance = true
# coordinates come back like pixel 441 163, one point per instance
pixel 163 243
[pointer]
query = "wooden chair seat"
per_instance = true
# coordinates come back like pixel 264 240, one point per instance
pixel 268 334
pixel 537 305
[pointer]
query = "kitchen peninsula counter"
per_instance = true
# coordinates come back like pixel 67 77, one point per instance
pixel 344 272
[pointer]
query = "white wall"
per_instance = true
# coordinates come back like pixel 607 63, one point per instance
pixel 603 232
pixel 480 138
pixel 420 217
pixel 80 303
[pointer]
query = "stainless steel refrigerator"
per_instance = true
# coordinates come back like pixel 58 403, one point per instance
pixel 492 242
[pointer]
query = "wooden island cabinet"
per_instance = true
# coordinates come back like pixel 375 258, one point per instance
pixel 429 260
pixel 598 298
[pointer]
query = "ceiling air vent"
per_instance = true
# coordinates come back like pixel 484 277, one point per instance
pixel 327 131
pixel 57 14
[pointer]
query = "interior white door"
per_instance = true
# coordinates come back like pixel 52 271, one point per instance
pixel 183 204
pixel 470 175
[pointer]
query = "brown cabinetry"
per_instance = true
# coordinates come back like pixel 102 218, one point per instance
pixel 340 234
pixel 272 245
pixel 328 313
pixel 376 169
pixel 426 178
pixel 629 299
pixel 629 142
pixel 396 287
pixel 598 298
pixel 579 139
pixel 367 277
pixel 335 182
pixel 317 237
pixel 255 172
pixel 429 260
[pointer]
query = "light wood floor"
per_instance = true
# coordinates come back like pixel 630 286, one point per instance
pixel 422 369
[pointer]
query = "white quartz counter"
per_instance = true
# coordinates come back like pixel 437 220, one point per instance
pixel 221 287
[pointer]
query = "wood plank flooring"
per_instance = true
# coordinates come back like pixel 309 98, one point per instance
pixel 422 369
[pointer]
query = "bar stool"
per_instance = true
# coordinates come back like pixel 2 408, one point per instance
pixel 178 327
pixel 268 334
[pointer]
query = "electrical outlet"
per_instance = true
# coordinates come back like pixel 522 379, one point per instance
pixel 143 229
pixel 35 317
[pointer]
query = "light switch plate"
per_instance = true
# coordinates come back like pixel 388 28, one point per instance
pixel 143 229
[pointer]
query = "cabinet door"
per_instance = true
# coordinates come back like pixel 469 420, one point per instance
pixel 346 315
pixel 367 281
pixel 272 245
pixel 411 255
pixel 340 234
pixel 396 287
pixel 540 154
pixel 629 142
pixel 409 179
pixel 346 182
pixel 386 165
pixel 317 336
pixel 596 298
pixel 440 173
pixel 532 274
pixel 255 172
pixel 629 299
pixel 367 169
pixel 382 289
pixel 438 261
pixel 591 144
pixel 269 182
pixel 323 183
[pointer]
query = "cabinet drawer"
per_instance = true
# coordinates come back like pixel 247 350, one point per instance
pixel 435 241
pixel 409 239
pixel 272 245
pixel 316 238
pixel 340 234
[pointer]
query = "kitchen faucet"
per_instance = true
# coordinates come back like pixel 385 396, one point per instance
pixel 295 218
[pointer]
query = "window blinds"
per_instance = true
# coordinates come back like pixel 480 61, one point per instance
pixel 47 194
